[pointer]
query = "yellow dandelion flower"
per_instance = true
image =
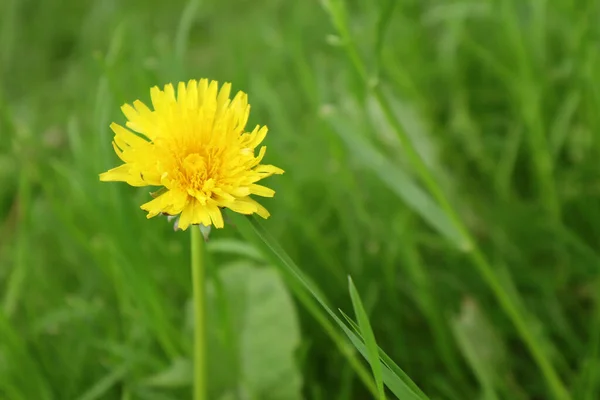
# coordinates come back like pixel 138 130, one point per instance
pixel 194 145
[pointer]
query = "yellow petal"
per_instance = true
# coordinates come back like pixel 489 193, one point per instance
pixel 247 206
pixel 243 119
pixel 140 119
pixel 241 109
pixel 193 214
pixel 156 96
pixel 224 197
pixel 261 155
pixel 240 100
pixel 169 94
pixel 223 98
pixel 240 191
pixel 175 202
pixel 129 112
pixel 247 137
pixel 258 137
pixel 118 174
pixel 210 97
pixel 243 206
pixel 261 190
pixel 260 210
pixel 130 138
pixel 118 151
pixel 201 215
pixel 202 87
pixel 171 202
pixel 215 215
pixel 268 169
pixel 181 94
pixel 192 91
pixel 142 109
pixel 185 219
pixel 124 173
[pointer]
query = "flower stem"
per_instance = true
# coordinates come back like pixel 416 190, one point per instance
pixel 200 390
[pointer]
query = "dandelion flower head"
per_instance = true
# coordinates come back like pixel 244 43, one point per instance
pixel 193 145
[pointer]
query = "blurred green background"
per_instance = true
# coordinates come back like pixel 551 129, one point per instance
pixel 497 226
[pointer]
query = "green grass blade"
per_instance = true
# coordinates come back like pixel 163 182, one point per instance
pixel 394 377
pixel 368 337
pixel 589 387
pixel 18 277
pixel 316 310
pixel 183 30
pixel 385 17
pixel 101 388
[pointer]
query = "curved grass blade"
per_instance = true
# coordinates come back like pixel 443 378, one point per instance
pixel 368 336
pixel 394 377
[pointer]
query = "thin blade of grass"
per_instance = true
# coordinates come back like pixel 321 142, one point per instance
pixel 368 336
pixel 17 281
pixel 185 25
pixel 101 388
pixel 385 17
pixel 394 377
pixel 590 369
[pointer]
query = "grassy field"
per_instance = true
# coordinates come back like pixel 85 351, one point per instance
pixel 444 154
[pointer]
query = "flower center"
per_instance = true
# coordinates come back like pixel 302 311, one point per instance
pixel 194 163
pixel 194 170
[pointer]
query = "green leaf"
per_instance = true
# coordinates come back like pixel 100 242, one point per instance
pixel 264 326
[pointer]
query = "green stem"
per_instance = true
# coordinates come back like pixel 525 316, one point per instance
pixel 200 390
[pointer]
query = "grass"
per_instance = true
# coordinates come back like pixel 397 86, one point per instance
pixel 442 154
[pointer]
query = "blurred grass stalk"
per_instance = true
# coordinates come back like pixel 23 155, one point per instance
pixel 338 14
pixel 198 284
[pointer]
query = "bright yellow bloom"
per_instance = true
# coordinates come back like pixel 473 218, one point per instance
pixel 194 145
